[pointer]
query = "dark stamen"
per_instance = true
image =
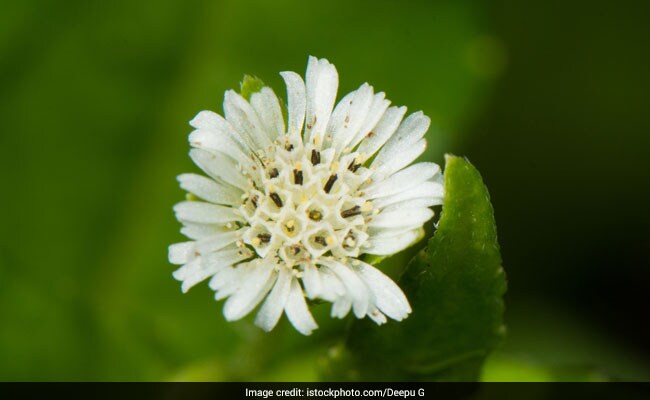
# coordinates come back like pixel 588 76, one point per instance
pixel 353 167
pixel 297 177
pixel 274 173
pixel 254 200
pixel 264 237
pixel 315 157
pixel 320 240
pixel 289 147
pixel 350 212
pixel 276 199
pixel 330 183
pixel 295 249
pixel 345 242
pixel 315 215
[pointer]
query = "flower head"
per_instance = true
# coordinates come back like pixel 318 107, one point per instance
pixel 289 207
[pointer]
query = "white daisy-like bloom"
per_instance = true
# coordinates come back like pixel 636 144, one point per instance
pixel 289 207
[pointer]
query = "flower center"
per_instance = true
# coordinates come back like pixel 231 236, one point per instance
pixel 306 203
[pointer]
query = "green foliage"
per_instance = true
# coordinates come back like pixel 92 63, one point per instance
pixel 455 287
pixel 95 102
pixel 86 291
pixel 250 85
pixel 550 342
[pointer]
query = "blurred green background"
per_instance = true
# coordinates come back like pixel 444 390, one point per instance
pixel 548 99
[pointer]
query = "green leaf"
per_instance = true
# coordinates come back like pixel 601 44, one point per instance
pixel 501 367
pixel 455 287
pixel 250 85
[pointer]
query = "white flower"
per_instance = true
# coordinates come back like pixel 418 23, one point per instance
pixel 286 211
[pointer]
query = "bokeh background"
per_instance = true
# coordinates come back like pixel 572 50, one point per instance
pixel 549 99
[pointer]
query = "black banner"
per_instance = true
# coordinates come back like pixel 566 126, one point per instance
pixel 324 390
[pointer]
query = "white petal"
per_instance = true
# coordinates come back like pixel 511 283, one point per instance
pixel 226 281
pixel 312 281
pixel 403 180
pixel 341 307
pixel 207 189
pixel 216 242
pixel 244 119
pixel 389 298
pixel 410 131
pixel 338 116
pixel 251 292
pixel 223 277
pixel 382 233
pixel 199 231
pixel 296 101
pixel 356 289
pixel 431 190
pixel 297 311
pixel 181 253
pixel 382 131
pixel 227 256
pixel 377 110
pixel 399 158
pixel 413 203
pixel 194 272
pixel 220 167
pixel 391 244
pixel 377 316
pixel 230 280
pixel 349 115
pixel 208 120
pixel 401 218
pixel 230 254
pixel 322 82
pixel 266 105
pixel 203 267
pixel 198 211
pixel 273 306
pixel 209 140
pixel 331 286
